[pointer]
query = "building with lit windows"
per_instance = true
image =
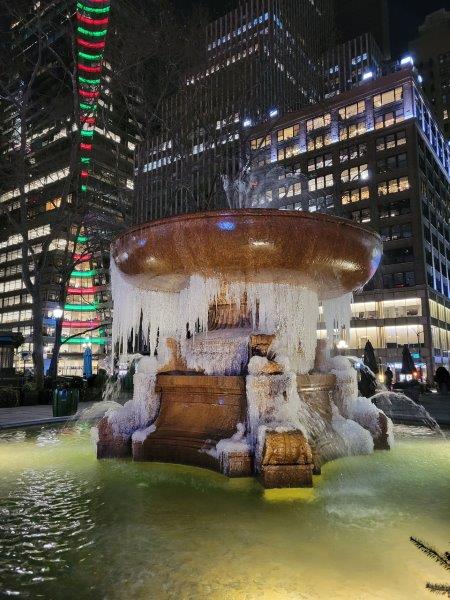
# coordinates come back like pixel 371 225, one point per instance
pixel 354 18
pixel 103 175
pixel 260 60
pixel 376 155
pixel 348 63
pixel 431 53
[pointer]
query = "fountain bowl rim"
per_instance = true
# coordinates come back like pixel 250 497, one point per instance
pixel 256 212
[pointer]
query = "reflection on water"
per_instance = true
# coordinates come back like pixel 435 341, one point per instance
pixel 71 526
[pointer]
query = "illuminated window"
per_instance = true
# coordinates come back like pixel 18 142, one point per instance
pixel 318 141
pixel 356 195
pixel 290 190
pixel 352 152
pixel 393 186
pixel 288 132
pixel 353 130
pixel 352 110
pixel 322 121
pixel 388 97
pixel 391 141
pixel 288 152
pixel 319 183
pixel 261 142
pixel 319 162
pixel 389 118
pixel 355 173
pixel 52 204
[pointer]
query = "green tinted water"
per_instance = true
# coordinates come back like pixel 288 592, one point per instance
pixel 75 527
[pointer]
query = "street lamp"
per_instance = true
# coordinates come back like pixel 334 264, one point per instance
pixel 58 312
pixel 342 345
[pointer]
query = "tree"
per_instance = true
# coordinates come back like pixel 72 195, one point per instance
pixel 408 366
pixel 370 358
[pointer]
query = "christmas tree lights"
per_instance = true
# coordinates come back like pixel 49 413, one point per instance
pixel 93 20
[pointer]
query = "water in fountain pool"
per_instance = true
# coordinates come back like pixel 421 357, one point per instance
pixel 73 527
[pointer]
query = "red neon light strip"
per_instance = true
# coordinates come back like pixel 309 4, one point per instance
pixel 80 324
pixel 86 146
pixel 86 44
pixel 85 291
pixel 90 21
pixel 84 174
pixel 81 258
pixel 90 120
pixel 86 94
pixel 98 1
pixel 89 69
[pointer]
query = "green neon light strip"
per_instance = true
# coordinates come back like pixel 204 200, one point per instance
pixel 85 159
pixel 89 81
pixel 87 132
pixel 82 239
pixel 84 273
pixel 101 341
pixel 81 307
pixel 83 188
pixel 90 107
pixel 99 33
pixel 86 56
pixel 91 9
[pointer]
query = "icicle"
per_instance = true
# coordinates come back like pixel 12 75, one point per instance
pixel 337 314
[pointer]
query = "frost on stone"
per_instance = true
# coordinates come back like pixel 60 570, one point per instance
pixel 139 412
pixel 355 439
pixel 236 443
pixel 222 352
pixel 142 434
pixel 350 405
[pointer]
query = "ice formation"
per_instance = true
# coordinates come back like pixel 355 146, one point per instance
pixel 337 315
pixel 140 435
pixel 236 443
pixel 354 437
pixel 291 312
pixel 350 405
pixel 142 409
pixel 223 352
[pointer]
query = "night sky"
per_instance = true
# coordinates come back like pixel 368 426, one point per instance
pixel 406 16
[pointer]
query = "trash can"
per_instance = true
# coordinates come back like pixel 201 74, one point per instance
pixel 65 402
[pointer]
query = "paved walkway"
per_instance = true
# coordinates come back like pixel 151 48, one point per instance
pixel 38 414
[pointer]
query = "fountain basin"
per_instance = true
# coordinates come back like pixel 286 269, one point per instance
pixel 329 255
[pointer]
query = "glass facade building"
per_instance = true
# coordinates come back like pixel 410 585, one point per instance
pixel 260 60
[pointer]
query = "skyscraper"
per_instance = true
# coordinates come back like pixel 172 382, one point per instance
pixel 260 60
pixel 354 18
pixel 68 141
pixel 431 52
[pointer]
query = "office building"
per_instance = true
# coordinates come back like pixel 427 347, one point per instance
pixel 431 53
pixel 261 60
pixel 376 155
pixel 100 182
pixel 353 18
pixel 350 63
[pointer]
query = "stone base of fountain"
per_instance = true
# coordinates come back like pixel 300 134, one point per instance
pixel 196 412
pixel 287 460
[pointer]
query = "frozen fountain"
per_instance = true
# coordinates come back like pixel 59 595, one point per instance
pixel 228 304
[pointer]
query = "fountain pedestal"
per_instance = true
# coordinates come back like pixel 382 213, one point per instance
pixel 196 412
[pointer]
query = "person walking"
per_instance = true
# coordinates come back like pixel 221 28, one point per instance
pixel 388 378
